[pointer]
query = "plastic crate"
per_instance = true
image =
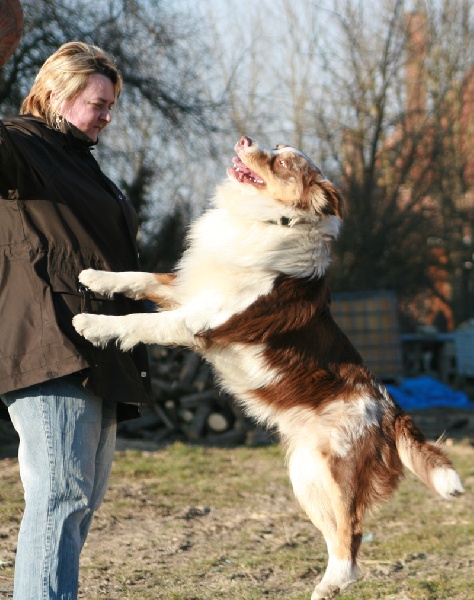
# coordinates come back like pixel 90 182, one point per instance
pixel 370 320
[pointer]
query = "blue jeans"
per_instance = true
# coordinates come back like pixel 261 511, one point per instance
pixel 67 443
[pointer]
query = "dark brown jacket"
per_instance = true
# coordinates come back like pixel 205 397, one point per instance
pixel 60 214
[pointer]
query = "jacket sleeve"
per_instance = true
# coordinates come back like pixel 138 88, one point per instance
pixel 6 162
pixel 10 228
pixel 17 178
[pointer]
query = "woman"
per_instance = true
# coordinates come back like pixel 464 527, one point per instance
pixel 60 214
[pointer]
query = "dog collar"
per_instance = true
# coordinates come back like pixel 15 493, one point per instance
pixel 287 222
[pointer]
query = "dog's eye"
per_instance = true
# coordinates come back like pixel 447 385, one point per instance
pixel 282 163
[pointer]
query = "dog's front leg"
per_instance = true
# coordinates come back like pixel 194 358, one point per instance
pixel 165 328
pixel 158 287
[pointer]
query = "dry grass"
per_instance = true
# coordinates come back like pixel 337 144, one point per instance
pixel 188 522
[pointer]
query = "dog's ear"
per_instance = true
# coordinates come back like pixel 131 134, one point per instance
pixel 336 204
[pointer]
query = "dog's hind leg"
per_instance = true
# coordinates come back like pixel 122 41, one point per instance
pixel 343 568
pixel 332 512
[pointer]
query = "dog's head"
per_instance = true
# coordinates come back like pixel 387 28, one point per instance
pixel 286 175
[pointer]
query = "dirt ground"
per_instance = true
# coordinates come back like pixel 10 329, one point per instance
pixel 136 551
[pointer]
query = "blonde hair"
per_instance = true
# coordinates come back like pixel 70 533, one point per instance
pixel 64 75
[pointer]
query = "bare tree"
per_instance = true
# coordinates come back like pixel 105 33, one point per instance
pixel 388 124
pixel 450 75
pixel 362 125
pixel 377 93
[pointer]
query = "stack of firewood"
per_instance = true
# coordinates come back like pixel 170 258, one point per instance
pixel 188 404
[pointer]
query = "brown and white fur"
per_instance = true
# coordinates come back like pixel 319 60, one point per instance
pixel 250 294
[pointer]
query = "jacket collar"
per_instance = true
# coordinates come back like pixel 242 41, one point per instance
pixel 76 138
pixel 72 136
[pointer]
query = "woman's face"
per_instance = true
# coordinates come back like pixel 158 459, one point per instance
pixel 90 110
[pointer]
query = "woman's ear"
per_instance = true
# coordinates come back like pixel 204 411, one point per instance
pixel 53 98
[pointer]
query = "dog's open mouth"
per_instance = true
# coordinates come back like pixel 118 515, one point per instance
pixel 243 174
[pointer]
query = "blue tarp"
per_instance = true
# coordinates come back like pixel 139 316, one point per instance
pixel 426 392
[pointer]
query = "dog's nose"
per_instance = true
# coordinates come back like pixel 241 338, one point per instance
pixel 245 142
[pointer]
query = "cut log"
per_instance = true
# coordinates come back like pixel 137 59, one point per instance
pixel 195 430
pixel 217 422
pixel 196 400
pixel 190 368
pixel 187 401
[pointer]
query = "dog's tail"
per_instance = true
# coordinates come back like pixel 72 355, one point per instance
pixel 427 461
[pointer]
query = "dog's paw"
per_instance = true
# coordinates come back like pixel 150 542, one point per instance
pixel 325 592
pixel 98 281
pixel 94 328
pixel 101 329
pixel 332 584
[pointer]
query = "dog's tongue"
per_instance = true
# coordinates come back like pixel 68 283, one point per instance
pixel 238 164
pixel 244 174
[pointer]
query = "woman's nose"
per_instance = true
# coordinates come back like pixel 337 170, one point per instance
pixel 106 115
